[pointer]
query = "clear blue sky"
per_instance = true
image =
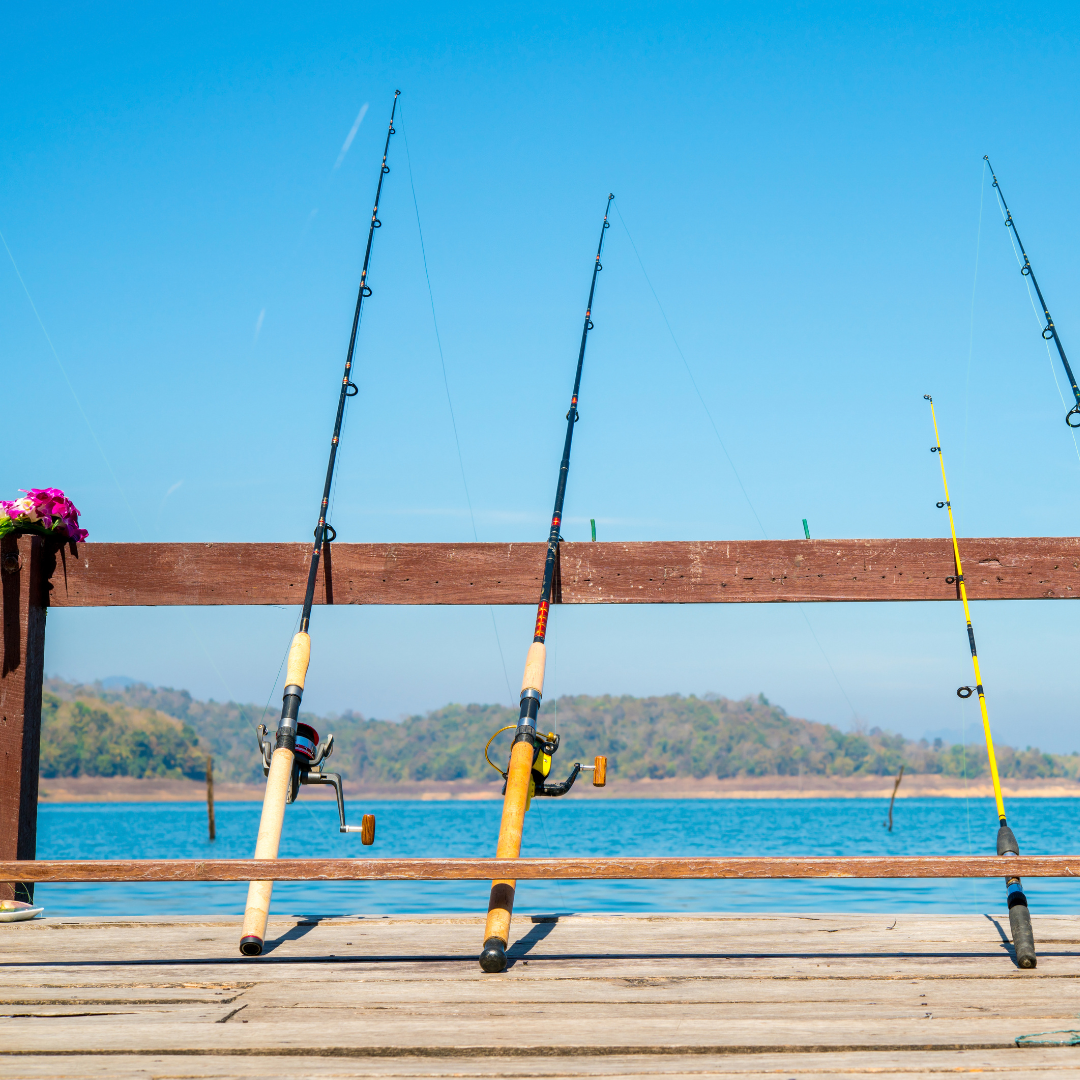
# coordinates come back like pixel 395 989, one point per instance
pixel 803 183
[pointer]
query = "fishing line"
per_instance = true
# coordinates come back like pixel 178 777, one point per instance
pixel 971 329
pixel 105 457
pixel 289 259
pixel 1049 331
pixel 293 757
pixel 690 374
pixel 554 627
pixel 967 792
pixel 78 403
pixel 449 400
pixel 719 439
pixel 1039 323
pixel 529 767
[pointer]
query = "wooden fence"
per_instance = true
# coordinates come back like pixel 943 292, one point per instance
pixel 34 579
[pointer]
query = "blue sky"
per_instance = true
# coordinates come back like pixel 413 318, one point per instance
pixel 804 184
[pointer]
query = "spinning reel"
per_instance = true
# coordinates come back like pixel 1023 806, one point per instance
pixel 545 746
pixel 307 769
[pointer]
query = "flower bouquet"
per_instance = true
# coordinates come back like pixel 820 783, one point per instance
pixel 45 511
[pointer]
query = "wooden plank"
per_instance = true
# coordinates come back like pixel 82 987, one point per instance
pixel 23 572
pixel 1012 1064
pixel 748 868
pixel 828 995
pixel 667 572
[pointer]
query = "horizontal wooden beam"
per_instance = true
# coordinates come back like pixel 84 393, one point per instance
pixel 660 572
pixel 883 866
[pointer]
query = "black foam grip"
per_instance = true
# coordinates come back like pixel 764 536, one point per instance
pixel 1006 842
pixel 1023 938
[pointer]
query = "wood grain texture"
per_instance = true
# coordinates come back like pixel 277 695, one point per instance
pixel 664 572
pixel 24 568
pixel 917 866
pixel 613 995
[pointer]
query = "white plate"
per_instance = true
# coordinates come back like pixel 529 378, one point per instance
pixel 22 911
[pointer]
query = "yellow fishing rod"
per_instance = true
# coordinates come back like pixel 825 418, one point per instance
pixel 1019 915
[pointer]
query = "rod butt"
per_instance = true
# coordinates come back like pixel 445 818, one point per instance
pixel 1023 938
pixel 493 958
pixel 250 945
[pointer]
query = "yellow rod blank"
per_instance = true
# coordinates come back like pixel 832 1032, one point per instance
pixel 971 634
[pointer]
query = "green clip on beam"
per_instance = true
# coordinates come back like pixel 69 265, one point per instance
pixel 806 528
pixel 592 525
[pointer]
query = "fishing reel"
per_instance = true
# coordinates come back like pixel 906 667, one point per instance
pixel 544 747
pixel 308 758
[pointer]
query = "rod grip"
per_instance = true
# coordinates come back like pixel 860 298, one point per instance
pixel 501 901
pixel 299 658
pixel 257 909
pixel 534 667
pixel 1022 935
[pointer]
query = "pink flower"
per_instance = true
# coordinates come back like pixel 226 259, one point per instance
pixel 47 508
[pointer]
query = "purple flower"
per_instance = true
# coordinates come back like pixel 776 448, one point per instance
pixel 42 510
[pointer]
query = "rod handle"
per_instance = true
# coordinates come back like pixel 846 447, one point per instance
pixel 1022 935
pixel 299 658
pixel 534 667
pixel 257 909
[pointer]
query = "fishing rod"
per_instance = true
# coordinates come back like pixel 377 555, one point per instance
pixel 1049 330
pixel 294 757
pixel 526 775
pixel 1019 916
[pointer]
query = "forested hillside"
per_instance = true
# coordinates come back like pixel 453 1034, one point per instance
pixel 152 731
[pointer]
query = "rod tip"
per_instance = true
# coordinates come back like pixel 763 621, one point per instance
pixel 250 945
pixel 610 195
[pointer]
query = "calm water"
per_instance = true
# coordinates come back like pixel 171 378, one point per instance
pixel 577 827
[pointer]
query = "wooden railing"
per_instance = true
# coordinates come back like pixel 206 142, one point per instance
pixel 667 572
pixel 703 867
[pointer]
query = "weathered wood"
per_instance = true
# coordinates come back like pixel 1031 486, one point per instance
pixel 607 995
pixel 1014 1064
pixel 685 572
pixel 877 866
pixel 902 1065
pixel 23 571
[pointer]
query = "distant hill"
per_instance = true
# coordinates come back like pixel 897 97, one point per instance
pixel 84 736
pixel 138 730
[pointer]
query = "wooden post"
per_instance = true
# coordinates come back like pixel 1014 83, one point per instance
pixel 23 577
pixel 896 786
pixel 210 794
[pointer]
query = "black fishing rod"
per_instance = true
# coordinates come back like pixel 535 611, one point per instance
pixel 1049 330
pixel 294 756
pixel 530 754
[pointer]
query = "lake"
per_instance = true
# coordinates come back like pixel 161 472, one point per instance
pixel 560 828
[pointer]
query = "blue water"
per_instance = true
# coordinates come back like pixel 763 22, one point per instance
pixel 567 827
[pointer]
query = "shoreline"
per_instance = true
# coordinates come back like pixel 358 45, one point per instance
pixel 914 786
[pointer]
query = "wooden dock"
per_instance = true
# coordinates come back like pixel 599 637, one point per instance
pixel 605 995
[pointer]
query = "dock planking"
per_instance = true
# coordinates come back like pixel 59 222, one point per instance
pixel 603 995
